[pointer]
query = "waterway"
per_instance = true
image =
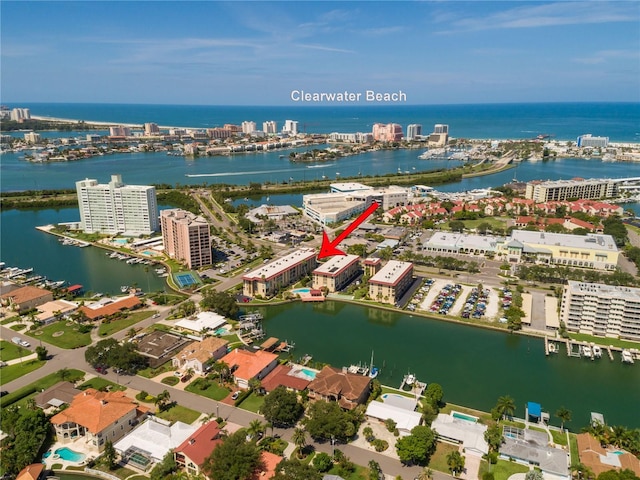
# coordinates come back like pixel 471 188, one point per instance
pixel 475 366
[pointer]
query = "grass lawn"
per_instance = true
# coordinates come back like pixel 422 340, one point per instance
pixel 11 319
pixel 178 412
pixel 573 448
pixel 45 382
pixel 503 469
pixel 559 438
pixel 9 351
pixel 18 327
pixel 120 472
pixel 438 460
pixel 485 418
pixel 253 403
pixel 100 383
pixel 114 326
pixel 499 222
pixel 361 473
pixel 70 337
pixel 397 392
pixel 213 391
pixel 583 337
pixel 154 372
pixel 171 381
pixel 11 372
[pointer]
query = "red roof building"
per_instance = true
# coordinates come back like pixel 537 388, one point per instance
pixel 192 453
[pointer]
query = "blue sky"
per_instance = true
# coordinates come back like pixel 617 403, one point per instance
pixel 256 53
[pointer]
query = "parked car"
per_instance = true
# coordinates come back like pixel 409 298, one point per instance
pixel 235 395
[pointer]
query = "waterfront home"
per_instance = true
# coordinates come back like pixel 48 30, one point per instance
pixel 529 447
pixel 108 306
pixel 468 433
pixel 191 454
pixel 96 417
pixel 202 322
pixel 334 385
pixel 280 273
pixel 34 471
pixel 246 365
pixel 151 441
pixel 198 354
pixel 54 310
pixel 57 395
pixel 599 459
pixel 287 377
pixel 391 282
pixel 405 418
pixel 337 272
pixel 25 298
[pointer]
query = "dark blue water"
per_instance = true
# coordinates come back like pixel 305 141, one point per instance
pixel 565 121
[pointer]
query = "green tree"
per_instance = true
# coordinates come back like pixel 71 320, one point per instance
pixel 434 395
pixel 42 353
pixel 293 469
pixel 455 462
pixel 255 428
pixel 456 226
pixel 233 459
pixel 165 468
pixel 418 446
pixel 281 407
pixel 564 414
pixel 326 420
pixel 322 461
pixel 109 455
pixel 299 439
pixel 222 303
pixel 374 470
pixel 493 437
pixel 162 400
pixel 505 407
pixel 534 475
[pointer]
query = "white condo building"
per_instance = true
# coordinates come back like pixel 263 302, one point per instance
pixel 20 114
pixel 248 127
pixel 117 208
pixel 589 140
pixel 603 310
pixel 270 127
pixel 414 130
pixel 290 127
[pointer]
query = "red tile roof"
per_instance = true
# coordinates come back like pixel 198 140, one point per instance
pixel 280 376
pixel 200 445
pixel 111 308
pixel 249 364
pixel 31 472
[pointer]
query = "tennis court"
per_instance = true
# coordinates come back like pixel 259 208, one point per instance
pixel 186 279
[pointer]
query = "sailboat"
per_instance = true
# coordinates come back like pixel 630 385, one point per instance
pixel 373 371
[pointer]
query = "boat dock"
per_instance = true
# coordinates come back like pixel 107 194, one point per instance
pixel 590 350
pixel 610 353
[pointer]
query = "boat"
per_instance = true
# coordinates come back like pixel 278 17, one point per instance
pixel 586 351
pixel 373 371
pixel 627 357
pixel 597 351
pixel 411 379
pixel 124 288
pixel 553 348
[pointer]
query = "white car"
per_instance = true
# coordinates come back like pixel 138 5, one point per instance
pixel 178 374
pixel 25 343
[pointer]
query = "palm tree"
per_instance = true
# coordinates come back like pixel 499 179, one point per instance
pixel 299 439
pixel 255 427
pixel 618 436
pixel 564 415
pixel 581 472
pixel 425 474
pixel 506 406
pixel 162 400
pixel 455 461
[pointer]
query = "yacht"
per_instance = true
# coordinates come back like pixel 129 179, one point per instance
pixel 627 357
pixel 586 351
pixel 553 347
pixel 597 351
pixel 411 379
pixel 124 288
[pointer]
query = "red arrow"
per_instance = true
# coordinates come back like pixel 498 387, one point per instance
pixel 329 249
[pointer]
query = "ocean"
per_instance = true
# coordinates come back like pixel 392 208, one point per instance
pixel 564 121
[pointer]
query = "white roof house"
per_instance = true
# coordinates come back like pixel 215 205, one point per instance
pixel 470 434
pixel 405 419
pixel 202 322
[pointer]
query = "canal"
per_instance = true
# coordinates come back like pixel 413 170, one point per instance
pixel 475 366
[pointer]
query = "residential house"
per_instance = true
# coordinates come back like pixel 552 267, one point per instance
pixel 31 472
pixel 191 454
pixel 334 385
pixel 600 460
pixel 57 395
pixel 104 309
pixel 25 298
pixel 197 354
pixel 246 365
pixel 287 377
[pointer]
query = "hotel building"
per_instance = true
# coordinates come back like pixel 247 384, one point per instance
pixel 270 127
pixel 280 273
pixel 390 132
pixel 248 127
pixel 588 140
pixel 390 283
pixel 602 310
pixel 20 114
pixel 337 272
pixel 151 129
pixel 119 131
pixel 558 190
pixel 589 251
pixel 290 127
pixel 186 237
pixel 414 130
pixel 357 137
pixel 117 208
pixel 32 137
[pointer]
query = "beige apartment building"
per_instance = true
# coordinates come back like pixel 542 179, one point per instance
pixel 390 283
pixel 602 310
pixel 186 237
pixel 558 190
pixel 336 273
pixel 280 273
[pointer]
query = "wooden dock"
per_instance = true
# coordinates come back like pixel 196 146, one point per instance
pixel 546 345
pixel 609 352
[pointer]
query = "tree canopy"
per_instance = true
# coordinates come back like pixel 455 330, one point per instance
pixel 417 447
pixel 295 470
pixel 327 419
pixel 281 407
pixel 220 302
pixel 110 353
pixel 26 429
pixel 233 459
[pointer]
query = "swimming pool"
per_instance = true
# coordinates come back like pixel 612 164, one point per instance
pixel 308 373
pixel 462 416
pixel 120 241
pixel 65 453
pixel 301 290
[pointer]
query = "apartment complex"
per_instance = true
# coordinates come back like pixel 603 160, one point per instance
pixel 117 208
pixel 559 190
pixel 603 310
pixel 588 251
pixel 337 272
pixel 390 283
pixel 390 132
pixel 248 127
pixel 589 140
pixel 151 128
pixel 280 273
pixel 414 130
pixel 440 135
pixel 270 127
pixel 32 137
pixel 119 131
pixel 290 127
pixel 20 114
pixel 186 237
pixel 357 137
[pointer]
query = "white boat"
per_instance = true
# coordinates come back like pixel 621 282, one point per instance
pixel 124 288
pixel 627 357
pixel 586 351
pixel 597 351
pixel 411 379
pixel 553 348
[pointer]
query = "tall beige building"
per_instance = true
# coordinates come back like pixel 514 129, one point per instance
pixel 390 283
pixel 186 237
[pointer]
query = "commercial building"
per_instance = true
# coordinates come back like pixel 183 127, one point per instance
pixel 32 137
pixel 602 310
pixel 280 273
pixel 588 140
pixel 20 114
pixel 588 251
pixel 558 190
pixel 390 283
pixel 186 237
pixel 414 130
pixel 270 127
pixel 337 272
pixel 290 127
pixel 117 208
pixel 151 129
pixel 390 132
pixel 445 242
pixel 119 131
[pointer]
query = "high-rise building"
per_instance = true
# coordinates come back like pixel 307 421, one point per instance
pixel 32 137
pixel 440 128
pixel 186 237
pixel 414 130
pixel 151 129
pixel 20 114
pixel 119 131
pixel 559 190
pixel 270 127
pixel 248 127
pixel 588 140
pixel 290 127
pixel 117 208
pixel 391 132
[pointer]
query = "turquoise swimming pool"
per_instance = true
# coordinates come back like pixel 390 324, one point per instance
pixel 65 453
pixel 301 290
pixel 462 416
pixel 308 373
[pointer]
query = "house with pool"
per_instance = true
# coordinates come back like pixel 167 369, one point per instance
pixel 246 365
pixel 335 385
pixel 197 355
pixel 94 417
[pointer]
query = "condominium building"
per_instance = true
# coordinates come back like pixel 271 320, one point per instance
pixel 337 272
pixel 270 127
pixel 603 310
pixel 391 282
pixel 186 237
pixel 414 130
pixel 390 132
pixel 119 131
pixel 357 137
pixel 32 137
pixel 20 114
pixel 588 251
pixel 151 129
pixel 280 273
pixel 441 128
pixel 248 127
pixel 559 190
pixel 290 127
pixel 117 208
pixel 589 140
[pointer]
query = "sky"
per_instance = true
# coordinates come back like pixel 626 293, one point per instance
pixel 258 53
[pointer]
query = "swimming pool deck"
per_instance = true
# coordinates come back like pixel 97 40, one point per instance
pixel 79 445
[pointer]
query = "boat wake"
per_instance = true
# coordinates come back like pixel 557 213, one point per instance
pixel 320 166
pixel 225 174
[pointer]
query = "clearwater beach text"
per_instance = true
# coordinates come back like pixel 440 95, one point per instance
pixel 346 96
